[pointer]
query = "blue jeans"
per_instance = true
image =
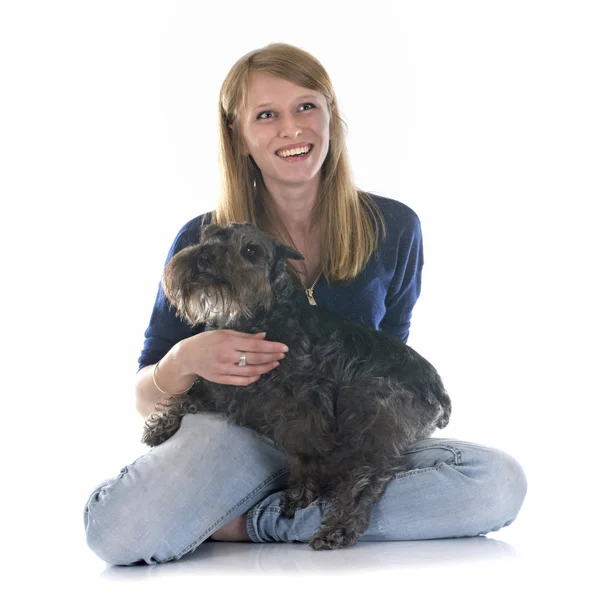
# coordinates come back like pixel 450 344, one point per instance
pixel 171 499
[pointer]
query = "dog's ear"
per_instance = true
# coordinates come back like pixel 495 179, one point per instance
pixel 283 252
pixel 207 229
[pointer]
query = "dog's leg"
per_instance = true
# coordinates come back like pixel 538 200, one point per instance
pixel 349 515
pixel 166 419
pixel 303 487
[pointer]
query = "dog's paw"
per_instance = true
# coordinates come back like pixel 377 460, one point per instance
pixel 332 538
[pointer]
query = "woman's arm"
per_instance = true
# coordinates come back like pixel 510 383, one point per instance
pixel 211 355
pixel 170 376
pixel 405 286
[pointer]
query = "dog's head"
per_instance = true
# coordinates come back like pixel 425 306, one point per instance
pixel 235 273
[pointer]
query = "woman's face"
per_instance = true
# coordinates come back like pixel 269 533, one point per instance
pixel 282 115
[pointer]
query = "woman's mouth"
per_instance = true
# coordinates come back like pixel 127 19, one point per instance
pixel 297 154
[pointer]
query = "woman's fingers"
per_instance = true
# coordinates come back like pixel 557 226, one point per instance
pixel 250 370
pixel 256 358
pixel 222 355
pixel 262 346
pixel 257 352
pixel 233 380
pixel 251 342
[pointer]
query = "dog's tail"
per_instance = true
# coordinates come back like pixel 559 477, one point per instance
pixel 445 408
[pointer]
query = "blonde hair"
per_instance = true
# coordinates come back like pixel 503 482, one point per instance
pixel 345 214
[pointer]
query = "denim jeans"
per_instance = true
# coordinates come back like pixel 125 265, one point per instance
pixel 171 499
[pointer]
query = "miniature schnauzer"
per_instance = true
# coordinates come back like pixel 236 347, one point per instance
pixel 344 404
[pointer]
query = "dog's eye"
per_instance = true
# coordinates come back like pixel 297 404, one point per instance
pixel 250 250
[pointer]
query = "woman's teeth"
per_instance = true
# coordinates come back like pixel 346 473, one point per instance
pixel 294 152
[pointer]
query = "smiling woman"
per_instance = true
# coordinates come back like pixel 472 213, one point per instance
pixel 287 144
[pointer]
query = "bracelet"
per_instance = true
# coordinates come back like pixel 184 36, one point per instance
pixel 163 391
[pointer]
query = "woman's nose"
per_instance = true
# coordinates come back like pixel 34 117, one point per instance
pixel 289 126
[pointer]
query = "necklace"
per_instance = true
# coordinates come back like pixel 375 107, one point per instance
pixel 309 292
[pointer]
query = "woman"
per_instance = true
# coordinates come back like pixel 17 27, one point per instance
pixel 363 259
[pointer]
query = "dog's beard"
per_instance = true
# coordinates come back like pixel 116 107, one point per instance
pixel 211 304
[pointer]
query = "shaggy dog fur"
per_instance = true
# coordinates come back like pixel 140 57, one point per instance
pixel 343 405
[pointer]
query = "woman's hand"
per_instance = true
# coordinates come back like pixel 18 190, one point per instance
pixel 214 355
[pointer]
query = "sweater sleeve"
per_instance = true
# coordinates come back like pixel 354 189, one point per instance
pixel 405 286
pixel 166 328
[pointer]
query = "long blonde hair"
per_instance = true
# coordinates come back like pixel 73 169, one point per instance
pixel 346 215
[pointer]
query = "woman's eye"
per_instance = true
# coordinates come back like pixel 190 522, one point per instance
pixel 270 112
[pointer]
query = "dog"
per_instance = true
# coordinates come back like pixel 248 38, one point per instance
pixel 344 404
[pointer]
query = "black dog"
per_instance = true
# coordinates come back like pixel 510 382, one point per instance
pixel 343 405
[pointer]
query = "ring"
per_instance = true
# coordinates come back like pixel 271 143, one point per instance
pixel 242 362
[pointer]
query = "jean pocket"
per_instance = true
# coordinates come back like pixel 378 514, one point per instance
pixel 430 453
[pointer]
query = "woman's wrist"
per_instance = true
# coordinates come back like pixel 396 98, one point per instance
pixel 168 392
pixel 170 375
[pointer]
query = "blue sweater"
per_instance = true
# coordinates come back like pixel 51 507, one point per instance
pixel 382 296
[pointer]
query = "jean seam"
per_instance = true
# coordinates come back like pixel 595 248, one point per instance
pixel 413 472
pixel 277 509
pixel 197 542
pixel 458 456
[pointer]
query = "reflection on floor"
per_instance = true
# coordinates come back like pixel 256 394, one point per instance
pixel 280 559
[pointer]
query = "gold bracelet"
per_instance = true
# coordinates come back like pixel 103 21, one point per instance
pixel 163 391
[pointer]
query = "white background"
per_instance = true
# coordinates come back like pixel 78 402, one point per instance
pixel 481 116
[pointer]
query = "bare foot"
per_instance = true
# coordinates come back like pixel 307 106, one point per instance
pixel 234 531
